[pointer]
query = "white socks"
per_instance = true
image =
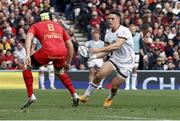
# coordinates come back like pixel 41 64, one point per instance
pixel 101 84
pixel 134 81
pixel 90 89
pixel 41 81
pixel 127 83
pixel 51 79
pixel 131 82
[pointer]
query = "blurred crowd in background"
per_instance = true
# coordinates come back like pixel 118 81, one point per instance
pixel 156 22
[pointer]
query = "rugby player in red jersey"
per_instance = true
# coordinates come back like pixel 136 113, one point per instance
pixel 56 47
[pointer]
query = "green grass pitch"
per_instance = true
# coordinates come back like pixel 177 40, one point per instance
pixel 127 105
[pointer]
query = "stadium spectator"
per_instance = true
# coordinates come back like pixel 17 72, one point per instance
pixel 1 56
pixel 158 65
pixel 176 40
pixel 170 64
pixel 56 47
pixel 20 51
pixel 153 58
pixel 8 56
pixel 3 65
pixel 169 49
pixel 82 66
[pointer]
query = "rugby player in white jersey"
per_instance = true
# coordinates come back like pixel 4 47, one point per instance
pixel 121 60
pixel 95 64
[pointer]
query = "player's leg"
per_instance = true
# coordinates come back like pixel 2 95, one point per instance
pixel 120 78
pixel 93 68
pixel 103 72
pixel 42 77
pixel 128 83
pixel 99 63
pixel 28 77
pixel 50 69
pixel 92 71
pixel 28 80
pixel 101 84
pixel 134 73
pixel 65 79
pixel 134 79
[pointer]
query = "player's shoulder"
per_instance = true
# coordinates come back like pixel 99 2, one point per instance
pixel 123 28
pixel 101 41
pixel 37 24
pixel 108 30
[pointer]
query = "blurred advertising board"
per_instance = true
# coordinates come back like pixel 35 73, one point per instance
pixel 14 80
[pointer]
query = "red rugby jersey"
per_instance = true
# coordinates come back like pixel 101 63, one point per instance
pixel 51 35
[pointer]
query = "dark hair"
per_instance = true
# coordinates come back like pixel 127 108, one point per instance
pixel 115 12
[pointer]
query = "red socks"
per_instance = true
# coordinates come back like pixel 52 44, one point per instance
pixel 28 79
pixel 65 79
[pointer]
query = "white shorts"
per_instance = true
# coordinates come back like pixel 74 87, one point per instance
pixel 48 67
pixel 121 71
pixel 95 63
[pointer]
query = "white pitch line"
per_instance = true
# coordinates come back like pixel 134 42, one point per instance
pixel 127 117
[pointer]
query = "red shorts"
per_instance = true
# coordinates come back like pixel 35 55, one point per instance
pixel 43 57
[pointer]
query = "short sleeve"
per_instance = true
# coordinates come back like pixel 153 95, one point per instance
pixel 124 33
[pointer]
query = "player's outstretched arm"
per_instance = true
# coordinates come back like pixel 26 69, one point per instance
pixel 114 46
pixel 28 41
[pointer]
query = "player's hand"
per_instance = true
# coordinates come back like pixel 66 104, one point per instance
pixel 67 67
pixel 28 61
pixel 92 57
pixel 94 50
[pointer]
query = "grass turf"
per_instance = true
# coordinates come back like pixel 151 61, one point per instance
pixel 56 105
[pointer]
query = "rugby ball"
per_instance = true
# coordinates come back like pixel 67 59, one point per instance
pixel 83 51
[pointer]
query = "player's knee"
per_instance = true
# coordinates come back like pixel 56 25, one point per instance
pixel 92 70
pixel 98 77
pixel 42 69
pixel 116 82
pixel 59 71
pixel 51 73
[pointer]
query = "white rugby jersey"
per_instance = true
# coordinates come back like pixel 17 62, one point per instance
pixel 124 57
pixel 94 44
